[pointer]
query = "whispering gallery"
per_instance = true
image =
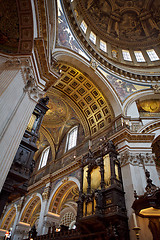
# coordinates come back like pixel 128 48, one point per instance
pixel 80 119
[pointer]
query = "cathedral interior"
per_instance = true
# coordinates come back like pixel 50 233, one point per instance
pixel 80 119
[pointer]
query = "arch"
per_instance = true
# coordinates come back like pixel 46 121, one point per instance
pixel 93 103
pixel 151 127
pixel 9 217
pixel 31 209
pixel 61 192
pixel 97 77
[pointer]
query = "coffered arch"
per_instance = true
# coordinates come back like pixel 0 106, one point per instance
pixel 86 95
pixel 79 62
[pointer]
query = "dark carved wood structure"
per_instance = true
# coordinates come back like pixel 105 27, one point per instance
pixel 145 206
pixel 101 203
pixel 23 163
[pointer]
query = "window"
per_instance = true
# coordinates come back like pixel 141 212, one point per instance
pixel 126 55
pixel 71 138
pixel 103 46
pixel 152 55
pixel 44 157
pixel 92 37
pixel 83 26
pixel 139 56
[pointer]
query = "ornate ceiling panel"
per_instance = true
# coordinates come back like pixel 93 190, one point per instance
pixel 87 96
pixel 16 26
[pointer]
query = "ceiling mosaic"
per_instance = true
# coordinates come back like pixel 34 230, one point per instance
pixel 87 96
pixel 65 37
pixel 123 88
pixel 9 26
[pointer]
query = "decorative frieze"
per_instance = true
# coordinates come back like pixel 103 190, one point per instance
pixel 144 159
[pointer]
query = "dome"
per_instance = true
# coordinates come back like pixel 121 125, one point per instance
pixel 122 35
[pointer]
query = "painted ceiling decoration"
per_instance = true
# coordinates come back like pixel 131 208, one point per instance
pixel 67 40
pixel 65 37
pixel 122 87
pixel 124 22
pixel 58 120
pixel 94 106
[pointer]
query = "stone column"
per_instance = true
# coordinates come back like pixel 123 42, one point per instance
pixel 19 208
pixel 18 97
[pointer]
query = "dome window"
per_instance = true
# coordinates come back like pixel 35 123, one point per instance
pixel 103 46
pixel 83 26
pixel 44 157
pixel 139 56
pixel 152 55
pixel 126 55
pixel 72 138
pixel 92 37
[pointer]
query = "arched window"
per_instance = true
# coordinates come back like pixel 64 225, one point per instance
pixel 44 157
pixel 72 138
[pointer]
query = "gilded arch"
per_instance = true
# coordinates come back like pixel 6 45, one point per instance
pixel 31 210
pixel 9 218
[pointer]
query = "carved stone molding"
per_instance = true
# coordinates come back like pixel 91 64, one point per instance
pixel 156 88
pixel 20 204
pixel 15 62
pixel 146 159
pixel 48 224
pixel 30 84
pixel 46 193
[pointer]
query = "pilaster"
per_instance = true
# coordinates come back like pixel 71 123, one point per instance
pixel 45 197
pixel 18 97
pixel 135 155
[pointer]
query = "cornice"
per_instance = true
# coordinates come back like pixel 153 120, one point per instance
pixel 46 74
pixel 55 176
pixel 126 135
